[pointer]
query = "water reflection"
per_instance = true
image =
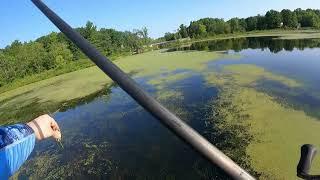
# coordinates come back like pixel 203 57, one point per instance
pixel 294 58
pixel 274 44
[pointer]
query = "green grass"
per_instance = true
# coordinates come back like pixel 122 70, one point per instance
pixel 70 67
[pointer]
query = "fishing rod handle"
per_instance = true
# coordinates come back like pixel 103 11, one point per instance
pixel 308 152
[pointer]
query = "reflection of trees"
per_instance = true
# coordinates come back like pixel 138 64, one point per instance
pixel 238 44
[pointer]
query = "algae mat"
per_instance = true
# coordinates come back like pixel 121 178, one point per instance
pixel 278 131
pixel 49 95
pixel 274 130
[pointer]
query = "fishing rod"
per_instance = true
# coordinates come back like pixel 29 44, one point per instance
pixel 171 121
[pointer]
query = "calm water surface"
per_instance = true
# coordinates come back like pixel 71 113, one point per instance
pixel 112 137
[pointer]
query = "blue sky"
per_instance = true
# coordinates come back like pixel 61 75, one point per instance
pixel 21 20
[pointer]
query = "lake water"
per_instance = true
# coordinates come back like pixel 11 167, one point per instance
pixel 112 137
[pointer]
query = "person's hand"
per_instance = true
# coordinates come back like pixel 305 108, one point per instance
pixel 45 127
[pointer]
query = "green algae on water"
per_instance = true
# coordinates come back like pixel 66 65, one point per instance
pixel 277 131
pixel 24 103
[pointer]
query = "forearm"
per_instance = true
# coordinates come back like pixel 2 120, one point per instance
pixel 16 144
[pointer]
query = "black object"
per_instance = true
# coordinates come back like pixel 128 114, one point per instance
pixel 175 124
pixel 308 152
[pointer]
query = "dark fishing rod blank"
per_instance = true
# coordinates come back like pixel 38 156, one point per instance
pixel 171 121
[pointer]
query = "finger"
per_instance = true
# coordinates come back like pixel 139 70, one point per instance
pixel 56 134
pixel 54 125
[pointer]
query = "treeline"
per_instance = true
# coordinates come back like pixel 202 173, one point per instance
pixel 286 19
pixel 55 51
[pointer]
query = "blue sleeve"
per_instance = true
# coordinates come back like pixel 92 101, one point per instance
pixel 16 144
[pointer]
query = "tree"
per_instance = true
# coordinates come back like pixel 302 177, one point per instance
pixel 243 24
pixel 261 24
pixel 177 35
pixel 299 13
pixel 103 41
pixel 315 21
pixel 169 36
pixel 197 30
pixel 55 50
pixel 252 23
pixel 143 34
pixel 310 19
pixel 289 18
pixel 183 31
pixel 59 54
pixel 236 25
pixel 202 30
pixel 273 19
pixel 133 43
pixel 88 30
pixel 7 73
pixel 48 39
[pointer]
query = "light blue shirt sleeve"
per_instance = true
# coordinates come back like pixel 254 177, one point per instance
pixel 16 144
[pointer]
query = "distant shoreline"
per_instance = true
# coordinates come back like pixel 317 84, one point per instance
pixel 283 34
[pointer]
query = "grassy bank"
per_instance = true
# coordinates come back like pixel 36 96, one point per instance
pixel 84 63
pixel 70 67
pixel 51 94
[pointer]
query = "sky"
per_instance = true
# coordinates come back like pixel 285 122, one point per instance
pixel 21 20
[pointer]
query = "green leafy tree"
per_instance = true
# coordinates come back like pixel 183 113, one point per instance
pixel 261 24
pixel 299 13
pixel 310 19
pixel 273 19
pixel 243 24
pixel 236 26
pixel 197 30
pixel 102 40
pixel 143 34
pixel 55 50
pixel 169 36
pixel 7 73
pixel 48 40
pixel 60 54
pixel 214 26
pixel 177 35
pixel 202 30
pixel 289 18
pixel 252 23
pixel 183 31
pixel 88 30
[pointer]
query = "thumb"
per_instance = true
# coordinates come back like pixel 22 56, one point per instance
pixel 56 134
